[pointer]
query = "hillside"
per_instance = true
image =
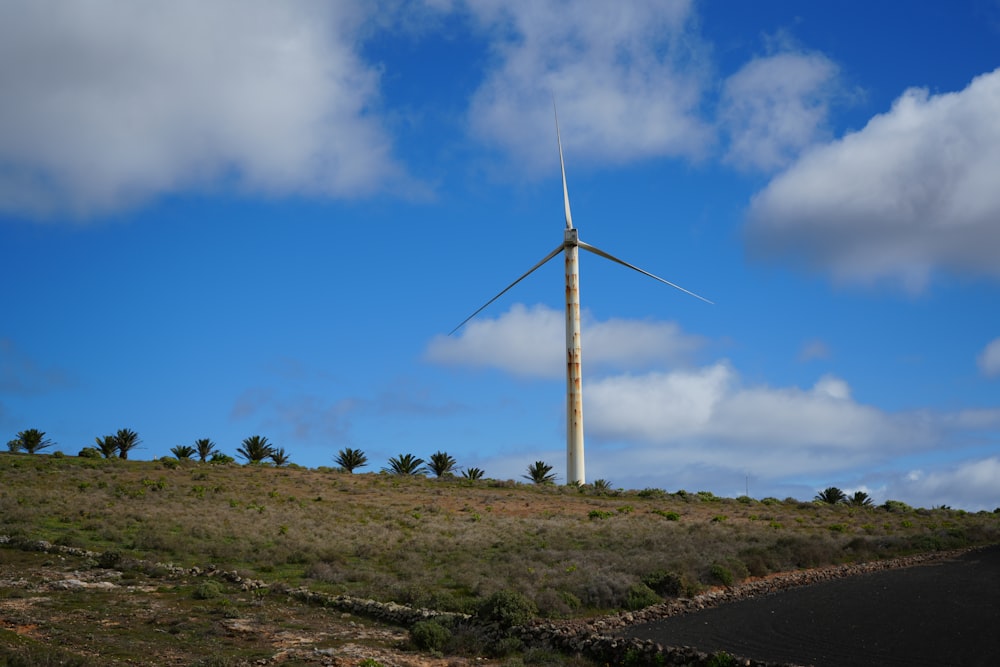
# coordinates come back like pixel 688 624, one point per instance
pixel 441 544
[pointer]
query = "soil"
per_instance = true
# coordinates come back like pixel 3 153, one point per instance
pixel 102 617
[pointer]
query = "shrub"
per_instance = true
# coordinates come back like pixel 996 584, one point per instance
pixel 641 596
pixel 668 515
pixel 665 584
pixel 896 506
pixel 207 591
pixel 506 608
pixel 89 453
pixel 429 635
pixel 600 514
pixel 721 574
pixel 721 659
pixel 109 559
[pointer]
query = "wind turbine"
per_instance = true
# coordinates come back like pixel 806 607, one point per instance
pixel 575 469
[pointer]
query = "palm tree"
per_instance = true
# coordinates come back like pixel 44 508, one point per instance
pixel 108 446
pixel 349 459
pixel 14 446
pixel 255 449
pixel 127 440
pixel 205 449
pixel 602 486
pixel 33 440
pixel 442 464
pixel 405 464
pixel 540 472
pixel 182 451
pixel 279 457
pixel 473 473
pixel 831 495
pixel 859 499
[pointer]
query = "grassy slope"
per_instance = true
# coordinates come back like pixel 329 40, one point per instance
pixel 446 543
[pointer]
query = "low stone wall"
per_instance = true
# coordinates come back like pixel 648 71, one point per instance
pixel 596 638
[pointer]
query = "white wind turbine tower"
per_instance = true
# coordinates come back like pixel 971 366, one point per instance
pixel 575 471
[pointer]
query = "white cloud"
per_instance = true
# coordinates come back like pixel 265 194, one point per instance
pixel 972 485
pixel 531 342
pixel 775 106
pixel 108 104
pixel 912 192
pixel 627 79
pixel 709 417
pixel 989 359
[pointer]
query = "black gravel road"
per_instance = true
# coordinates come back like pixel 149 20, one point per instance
pixel 945 614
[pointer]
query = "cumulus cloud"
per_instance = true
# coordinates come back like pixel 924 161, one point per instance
pixel 109 103
pixel 989 359
pixel 970 485
pixel 531 342
pixel 689 426
pixel 911 193
pixel 775 106
pixel 718 419
pixel 628 79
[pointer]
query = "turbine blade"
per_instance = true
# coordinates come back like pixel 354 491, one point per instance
pixel 562 168
pixel 507 288
pixel 605 255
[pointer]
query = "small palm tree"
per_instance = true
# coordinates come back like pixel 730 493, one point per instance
pixel 602 486
pixel 831 495
pixel 442 464
pixel 14 446
pixel 473 473
pixel 108 446
pixel 33 440
pixel 182 451
pixel 860 499
pixel 279 457
pixel 127 440
pixel 540 472
pixel 255 449
pixel 405 464
pixel 205 449
pixel 349 459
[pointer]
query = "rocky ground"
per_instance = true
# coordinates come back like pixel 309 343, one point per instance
pixel 170 616
pixel 54 606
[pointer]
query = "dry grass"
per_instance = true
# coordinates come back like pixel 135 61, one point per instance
pixel 447 543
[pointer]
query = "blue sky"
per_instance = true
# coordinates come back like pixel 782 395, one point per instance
pixel 237 218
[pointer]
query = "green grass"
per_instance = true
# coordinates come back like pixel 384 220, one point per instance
pixel 448 543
